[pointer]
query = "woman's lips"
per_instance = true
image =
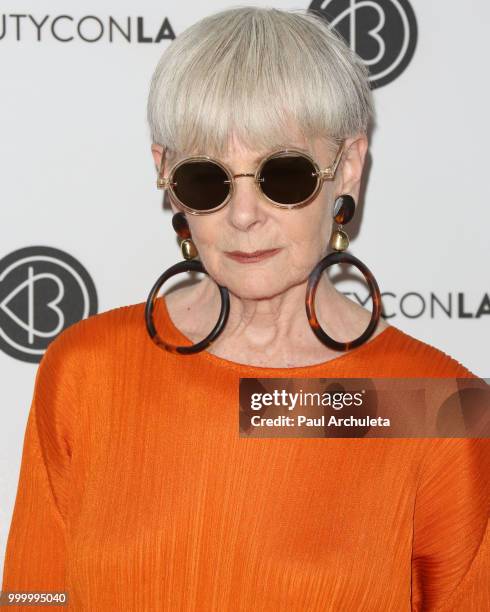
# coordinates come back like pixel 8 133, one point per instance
pixel 253 257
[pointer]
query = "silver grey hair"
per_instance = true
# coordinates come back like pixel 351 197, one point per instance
pixel 255 72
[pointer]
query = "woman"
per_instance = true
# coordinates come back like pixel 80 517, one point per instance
pixel 136 490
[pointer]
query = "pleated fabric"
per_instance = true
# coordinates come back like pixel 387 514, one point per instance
pixel 137 493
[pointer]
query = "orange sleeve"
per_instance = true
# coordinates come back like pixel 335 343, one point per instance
pixel 451 545
pixel 35 556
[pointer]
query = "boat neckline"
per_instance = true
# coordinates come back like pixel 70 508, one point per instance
pixel 245 367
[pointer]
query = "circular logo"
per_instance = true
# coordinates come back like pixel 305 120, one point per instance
pixel 382 32
pixel 42 292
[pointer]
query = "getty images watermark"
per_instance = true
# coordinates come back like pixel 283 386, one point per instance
pixel 364 407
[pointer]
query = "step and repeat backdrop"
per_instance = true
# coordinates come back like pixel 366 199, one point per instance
pixel 84 229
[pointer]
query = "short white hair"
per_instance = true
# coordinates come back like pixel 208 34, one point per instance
pixel 254 72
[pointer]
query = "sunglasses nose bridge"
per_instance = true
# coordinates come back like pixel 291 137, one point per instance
pixel 257 181
pixel 251 174
pixel 244 174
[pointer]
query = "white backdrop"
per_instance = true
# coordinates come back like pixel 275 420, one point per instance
pixel 77 173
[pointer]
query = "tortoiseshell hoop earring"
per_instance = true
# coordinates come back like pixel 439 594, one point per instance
pixel 185 266
pixel 329 260
pixel 179 223
pixel 343 212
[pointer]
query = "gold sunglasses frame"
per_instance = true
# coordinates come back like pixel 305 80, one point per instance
pixel 322 175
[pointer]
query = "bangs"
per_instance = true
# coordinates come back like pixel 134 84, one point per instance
pixel 264 76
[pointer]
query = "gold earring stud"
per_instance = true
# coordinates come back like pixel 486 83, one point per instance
pixel 339 240
pixel 188 248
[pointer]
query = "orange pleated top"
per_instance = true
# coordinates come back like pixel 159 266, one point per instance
pixel 137 493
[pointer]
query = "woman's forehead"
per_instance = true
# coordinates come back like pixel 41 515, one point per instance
pixel 237 149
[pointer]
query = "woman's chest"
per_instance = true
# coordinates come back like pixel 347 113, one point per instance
pixel 192 514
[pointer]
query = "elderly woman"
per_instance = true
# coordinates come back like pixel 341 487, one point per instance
pixel 137 491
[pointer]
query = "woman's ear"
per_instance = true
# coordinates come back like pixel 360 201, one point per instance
pixel 352 164
pixel 157 151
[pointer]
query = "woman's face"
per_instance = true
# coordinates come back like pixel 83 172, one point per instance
pixel 250 223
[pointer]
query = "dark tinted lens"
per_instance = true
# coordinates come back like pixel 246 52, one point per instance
pixel 288 179
pixel 200 184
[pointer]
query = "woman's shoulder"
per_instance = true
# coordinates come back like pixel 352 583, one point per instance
pixel 408 356
pixel 109 330
pixel 119 319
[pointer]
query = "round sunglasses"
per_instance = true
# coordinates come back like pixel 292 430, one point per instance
pixel 288 178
